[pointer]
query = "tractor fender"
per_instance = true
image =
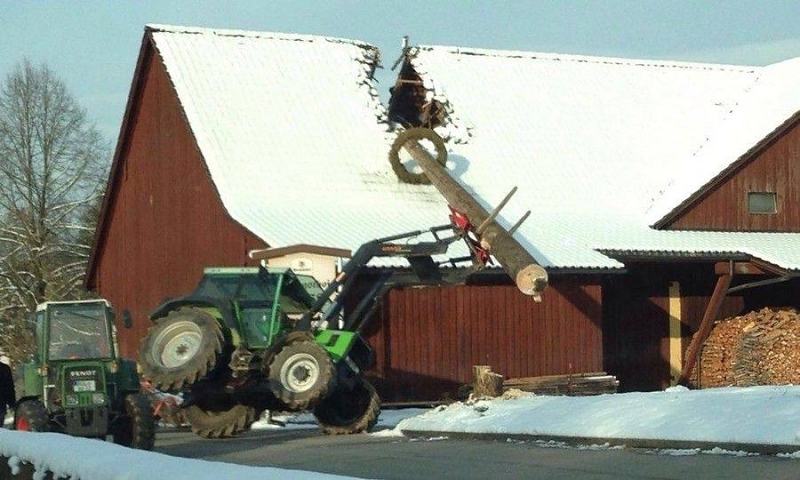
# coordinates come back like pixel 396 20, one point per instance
pixel 224 308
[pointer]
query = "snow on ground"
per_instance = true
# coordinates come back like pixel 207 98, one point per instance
pixel 97 460
pixel 755 415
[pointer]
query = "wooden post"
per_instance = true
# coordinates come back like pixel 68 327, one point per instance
pixel 675 334
pixel 487 383
pixel 520 265
pixel 712 311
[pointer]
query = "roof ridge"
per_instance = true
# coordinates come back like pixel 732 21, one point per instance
pixel 578 58
pixel 225 32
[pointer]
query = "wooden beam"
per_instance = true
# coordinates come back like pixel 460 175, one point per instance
pixel 712 311
pixel 739 268
pixel 675 334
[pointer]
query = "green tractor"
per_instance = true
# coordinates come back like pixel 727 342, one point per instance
pixel 77 384
pixel 233 349
pixel 254 339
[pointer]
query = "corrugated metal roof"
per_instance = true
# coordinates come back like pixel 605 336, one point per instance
pixel 296 140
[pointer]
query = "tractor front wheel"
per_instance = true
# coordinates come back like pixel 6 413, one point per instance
pixel 221 423
pixel 31 416
pixel 349 411
pixel 137 428
pixel 300 374
pixel 181 348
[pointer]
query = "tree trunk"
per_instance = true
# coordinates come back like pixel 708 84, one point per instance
pixel 487 383
pixel 520 265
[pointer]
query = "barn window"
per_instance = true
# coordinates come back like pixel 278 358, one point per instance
pixel 762 202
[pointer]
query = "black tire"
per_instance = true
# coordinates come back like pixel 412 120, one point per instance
pixel 31 416
pixel 300 374
pixel 221 423
pixel 137 427
pixel 349 411
pixel 163 351
pixel 415 134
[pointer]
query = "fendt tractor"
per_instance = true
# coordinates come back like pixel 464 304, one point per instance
pixel 250 339
pixel 77 384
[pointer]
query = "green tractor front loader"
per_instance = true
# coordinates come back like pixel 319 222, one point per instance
pixel 233 349
pixel 254 339
pixel 77 384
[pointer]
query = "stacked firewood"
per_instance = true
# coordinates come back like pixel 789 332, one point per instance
pixel 759 348
pixel 580 384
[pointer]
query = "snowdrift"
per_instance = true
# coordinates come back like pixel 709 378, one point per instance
pixel 69 457
pixel 760 419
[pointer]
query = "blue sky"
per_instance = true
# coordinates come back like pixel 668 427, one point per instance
pixel 93 45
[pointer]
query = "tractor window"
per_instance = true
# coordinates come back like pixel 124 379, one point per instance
pixel 218 287
pixel 258 288
pixel 78 331
pixel 294 298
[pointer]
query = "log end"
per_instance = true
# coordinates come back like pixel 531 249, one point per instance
pixel 532 280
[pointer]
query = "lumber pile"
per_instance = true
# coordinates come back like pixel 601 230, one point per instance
pixel 759 348
pixel 580 384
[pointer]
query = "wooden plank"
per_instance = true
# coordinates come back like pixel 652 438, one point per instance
pixel 739 268
pixel 712 311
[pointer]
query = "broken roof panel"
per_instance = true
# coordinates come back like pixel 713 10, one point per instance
pixel 290 127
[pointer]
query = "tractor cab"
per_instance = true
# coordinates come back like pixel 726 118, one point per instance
pixel 75 331
pixel 262 303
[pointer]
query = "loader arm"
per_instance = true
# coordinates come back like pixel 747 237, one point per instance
pixel 424 271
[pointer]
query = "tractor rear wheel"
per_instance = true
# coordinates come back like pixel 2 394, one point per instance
pixel 349 411
pixel 300 374
pixel 221 423
pixel 181 348
pixel 137 427
pixel 31 416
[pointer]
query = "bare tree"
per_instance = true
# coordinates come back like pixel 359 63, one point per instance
pixel 52 165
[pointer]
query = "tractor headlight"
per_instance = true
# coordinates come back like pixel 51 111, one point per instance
pixel 71 400
pixel 98 398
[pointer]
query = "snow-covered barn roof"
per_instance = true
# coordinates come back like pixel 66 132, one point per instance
pixel 592 141
pixel 296 140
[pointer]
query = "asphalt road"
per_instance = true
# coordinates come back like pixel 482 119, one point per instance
pixel 369 456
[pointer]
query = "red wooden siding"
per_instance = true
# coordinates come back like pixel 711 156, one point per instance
pixel 775 169
pixel 428 339
pixel 166 222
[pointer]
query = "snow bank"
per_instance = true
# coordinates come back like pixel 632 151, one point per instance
pixel 96 460
pixel 755 415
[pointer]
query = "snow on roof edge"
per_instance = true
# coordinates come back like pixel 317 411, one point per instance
pixel 225 32
pixel 534 55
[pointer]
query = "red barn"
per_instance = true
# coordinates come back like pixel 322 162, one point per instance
pixel 651 185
